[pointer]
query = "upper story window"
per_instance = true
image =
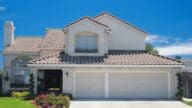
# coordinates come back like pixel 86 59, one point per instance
pixel 86 43
pixel 20 70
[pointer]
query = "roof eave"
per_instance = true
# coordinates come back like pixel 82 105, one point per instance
pixel 89 65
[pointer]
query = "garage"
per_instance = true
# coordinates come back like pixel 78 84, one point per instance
pixel 90 85
pixel 138 85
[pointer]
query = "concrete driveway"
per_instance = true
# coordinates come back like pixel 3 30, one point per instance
pixel 128 104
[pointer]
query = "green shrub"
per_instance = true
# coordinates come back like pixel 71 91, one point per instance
pixel 31 86
pixel 70 96
pixel 179 93
pixel 20 95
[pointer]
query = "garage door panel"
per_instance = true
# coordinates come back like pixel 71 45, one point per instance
pixel 138 85
pixel 90 85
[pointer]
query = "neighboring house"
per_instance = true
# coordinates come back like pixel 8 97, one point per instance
pixel 188 65
pixel 100 57
pixel 187 78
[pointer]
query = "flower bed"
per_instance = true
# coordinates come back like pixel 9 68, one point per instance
pixel 51 101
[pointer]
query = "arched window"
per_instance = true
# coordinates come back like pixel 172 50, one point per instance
pixel 20 70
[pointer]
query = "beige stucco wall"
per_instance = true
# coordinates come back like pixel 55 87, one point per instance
pixel 69 82
pixel 123 36
pixel 8 58
pixel 86 26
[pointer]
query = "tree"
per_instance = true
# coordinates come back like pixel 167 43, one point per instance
pixel 150 49
pixel 31 87
pixel 179 93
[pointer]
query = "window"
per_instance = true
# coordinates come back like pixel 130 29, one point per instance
pixel 86 44
pixel 21 71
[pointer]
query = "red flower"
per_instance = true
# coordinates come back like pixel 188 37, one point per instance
pixel 42 96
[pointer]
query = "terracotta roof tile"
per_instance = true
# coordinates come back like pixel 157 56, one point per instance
pixel 54 39
pixel 24 45
pixel 115 57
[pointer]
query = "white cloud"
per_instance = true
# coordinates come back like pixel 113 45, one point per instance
pixel 2 8
pixel 154 38
pixel 177 49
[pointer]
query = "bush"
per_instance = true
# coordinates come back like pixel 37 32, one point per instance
pixel 20 95
pixel 179 93
pixel 68 95
pixel 52 101
pixel 31 86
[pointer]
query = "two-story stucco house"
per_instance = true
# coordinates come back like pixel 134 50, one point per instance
pixel 102 58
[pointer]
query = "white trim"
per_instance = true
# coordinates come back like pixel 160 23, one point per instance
pixel 81 21
pixel 123 22
pixel 106 85
pixel 169 84
pixel 90 65
pixel 74 84
pixel 63 80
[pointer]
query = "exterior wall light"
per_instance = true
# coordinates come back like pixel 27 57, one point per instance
pixel 67 73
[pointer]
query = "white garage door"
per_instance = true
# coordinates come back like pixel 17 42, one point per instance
pixel 138 85
pixel 90 85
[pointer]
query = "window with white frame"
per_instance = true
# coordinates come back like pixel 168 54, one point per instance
pixel 20 71
pixel 86 44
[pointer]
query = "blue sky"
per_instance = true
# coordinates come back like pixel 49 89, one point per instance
pixel 168 22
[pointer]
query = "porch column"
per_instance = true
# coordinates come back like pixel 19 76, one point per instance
pixel 35 73
pixel 169 85
pixel 107 85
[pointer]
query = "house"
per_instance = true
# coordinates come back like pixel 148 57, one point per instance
pixel 102 58
pixel 187 74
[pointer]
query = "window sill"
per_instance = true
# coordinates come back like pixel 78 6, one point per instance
pixel 92 51
pixel 14 85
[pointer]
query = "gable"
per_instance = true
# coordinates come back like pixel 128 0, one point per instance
pixel 120 21
pixel 128 37
pixel 86 19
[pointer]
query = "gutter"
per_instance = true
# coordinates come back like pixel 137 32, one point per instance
pixel 88 65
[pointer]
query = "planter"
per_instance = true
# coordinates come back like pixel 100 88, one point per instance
pixel 179 97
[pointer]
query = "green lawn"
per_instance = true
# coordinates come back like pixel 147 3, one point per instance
pixel 8 102
pixel 188 102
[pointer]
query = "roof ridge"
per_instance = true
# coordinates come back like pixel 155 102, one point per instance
pixel 47 29
pixel 107 13
pixel 82 18
pixel 28 37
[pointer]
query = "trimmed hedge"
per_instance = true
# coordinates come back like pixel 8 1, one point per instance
pixel 20 95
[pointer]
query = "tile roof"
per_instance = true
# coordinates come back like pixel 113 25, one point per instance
pixel 54 39
pixel 106 13
pixel 114 57
pixel 24 45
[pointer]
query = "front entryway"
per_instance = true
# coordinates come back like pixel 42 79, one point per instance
pixel 50 81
